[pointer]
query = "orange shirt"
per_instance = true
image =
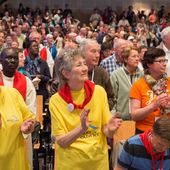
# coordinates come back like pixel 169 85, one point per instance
pixel 141 91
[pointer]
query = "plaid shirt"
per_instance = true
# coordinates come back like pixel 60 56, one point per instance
pixel 110 64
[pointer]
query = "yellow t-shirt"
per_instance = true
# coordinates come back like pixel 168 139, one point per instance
pixel 12 146
pixel 90 150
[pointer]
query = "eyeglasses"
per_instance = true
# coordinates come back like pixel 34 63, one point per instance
pixel 162 61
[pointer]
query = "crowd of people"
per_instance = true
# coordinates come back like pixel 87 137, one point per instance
pixel 93 76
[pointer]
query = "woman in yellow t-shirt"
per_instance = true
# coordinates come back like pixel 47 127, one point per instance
pixel 80 117
pixel 15 120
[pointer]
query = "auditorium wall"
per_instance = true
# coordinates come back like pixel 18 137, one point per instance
pixel 83 8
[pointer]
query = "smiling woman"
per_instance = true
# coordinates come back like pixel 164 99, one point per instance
pixel 80 117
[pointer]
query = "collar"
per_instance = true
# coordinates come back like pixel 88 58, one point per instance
pixel 65 93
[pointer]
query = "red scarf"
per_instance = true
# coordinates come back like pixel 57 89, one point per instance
pixel 145 137
pixel 65 93
pixel 19 83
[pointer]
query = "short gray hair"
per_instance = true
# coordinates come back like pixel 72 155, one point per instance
pixel 165 32
pixel 119 42
pixel 65 61
pixel 87 42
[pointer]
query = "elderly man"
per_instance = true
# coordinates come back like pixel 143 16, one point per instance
pixel 51 46
pixel 115 61
pixel 165 45
pixel 149 150
pixel 91 51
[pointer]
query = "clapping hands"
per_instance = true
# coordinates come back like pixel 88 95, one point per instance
pixel 114 123
pixel 84 119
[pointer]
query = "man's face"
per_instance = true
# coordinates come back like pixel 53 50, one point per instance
pixel 33 50
pixel 10 63
pixel 159 145
pixel 92 54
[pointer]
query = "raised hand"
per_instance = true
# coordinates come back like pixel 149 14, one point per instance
pixel 84 119
pixel 162 100
pixel 28 126
pixel 114 123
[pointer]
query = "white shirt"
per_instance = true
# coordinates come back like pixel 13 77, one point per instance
pixel 30 92
pixel 167 52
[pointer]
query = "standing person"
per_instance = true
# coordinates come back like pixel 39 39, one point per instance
pixel 38 69
pixel 51 46
pixel 12 78
pixel 15 120
pixel 165 45
pixel 122 80
pixel 44 53
pixel 90 49
pixel 149 96
pixel 115 61
pixel 149 150
pixel 80 117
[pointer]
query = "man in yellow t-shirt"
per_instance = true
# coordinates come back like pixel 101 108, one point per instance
pixel 15 119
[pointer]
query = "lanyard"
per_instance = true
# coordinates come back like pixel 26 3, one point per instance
pixel 92 76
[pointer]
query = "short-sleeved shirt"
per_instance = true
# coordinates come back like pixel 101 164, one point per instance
pixel 134 156
pixel 89 151
pixel 141 91
pixel 14 112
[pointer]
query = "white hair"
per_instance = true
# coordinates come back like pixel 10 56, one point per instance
pixel 119 42
pixel 165 32
pixel 86 42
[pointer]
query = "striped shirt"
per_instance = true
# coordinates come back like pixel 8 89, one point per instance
pixel 135 157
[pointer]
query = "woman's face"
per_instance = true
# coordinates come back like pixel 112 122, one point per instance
pixel 158 67
pixel 21 59
pixel 78 72
pixel 133 59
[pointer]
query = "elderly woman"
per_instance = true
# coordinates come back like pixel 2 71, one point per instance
pixel 15 120
pixel 149 96
pixel 122 80
pixel 80 115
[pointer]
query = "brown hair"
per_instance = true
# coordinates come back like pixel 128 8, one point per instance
pixel 161 128
pixel 126 52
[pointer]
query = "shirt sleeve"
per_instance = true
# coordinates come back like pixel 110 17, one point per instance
pixel 56 119
pixel 31 96
pixel 125 158
pixel 135 92
pixel 106 112
pixel 26 113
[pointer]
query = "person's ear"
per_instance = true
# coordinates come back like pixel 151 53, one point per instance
pixel 149 65
pixel 66 74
